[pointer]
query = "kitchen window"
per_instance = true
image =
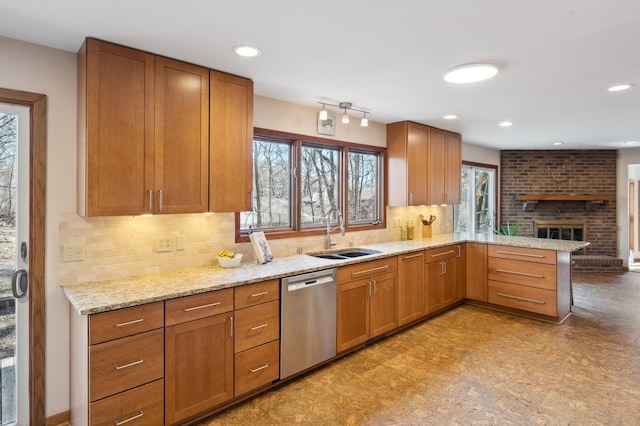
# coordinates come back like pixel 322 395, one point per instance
pixel 476 213
pixel 298 179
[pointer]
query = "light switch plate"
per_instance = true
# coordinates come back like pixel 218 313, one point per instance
pixel 73 253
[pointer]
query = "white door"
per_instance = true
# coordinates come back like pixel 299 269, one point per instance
pixel 14 240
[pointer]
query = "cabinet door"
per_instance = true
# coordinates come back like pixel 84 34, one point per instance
pixel 198 366
pixel 353 314
pixel 119 133
pixel 383 315
pixel 410 287
pixel 476 271
pixel 460 272
pixel 449 289
pixel 231 143
pixel 437 148
pixel 417 165
pixel 181 137
pixel 434 274
pixel 453 168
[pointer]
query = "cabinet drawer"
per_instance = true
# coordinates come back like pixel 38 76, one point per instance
pixel 521 253
pixel 198 306
pixel 122 364
pixel 520 297
pixel 254 294
pixel 256 325
pixel 367 269
pixel 531 274
pixel 257 367
pixel 125 322
pixel 442 253
pixel 143 405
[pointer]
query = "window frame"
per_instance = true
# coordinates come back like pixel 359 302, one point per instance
pixel 297 142
pixel 496 195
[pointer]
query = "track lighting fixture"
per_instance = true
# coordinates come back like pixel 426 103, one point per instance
pixel 345 107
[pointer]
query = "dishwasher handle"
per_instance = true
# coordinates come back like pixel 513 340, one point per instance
pixel 312 282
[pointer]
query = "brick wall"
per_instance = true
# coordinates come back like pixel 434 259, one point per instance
pixel 562 172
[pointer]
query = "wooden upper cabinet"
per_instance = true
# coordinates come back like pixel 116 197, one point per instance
pixel 231 143
pixel 116 129
pixel 182 137
pixel 424 165
pixel 407 153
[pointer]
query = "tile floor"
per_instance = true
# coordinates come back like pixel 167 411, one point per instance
pixel 473 366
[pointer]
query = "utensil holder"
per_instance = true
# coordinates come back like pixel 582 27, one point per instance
pixel 426 231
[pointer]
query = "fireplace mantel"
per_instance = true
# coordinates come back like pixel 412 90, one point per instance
pixel 531 200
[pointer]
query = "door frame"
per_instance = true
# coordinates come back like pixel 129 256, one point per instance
pixel 37 104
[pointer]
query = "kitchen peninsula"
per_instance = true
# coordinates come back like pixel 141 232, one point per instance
pixel 524 276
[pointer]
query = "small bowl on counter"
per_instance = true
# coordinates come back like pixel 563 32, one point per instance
pixel 230 262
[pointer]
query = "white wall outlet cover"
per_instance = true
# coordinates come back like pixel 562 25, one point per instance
pixel 73 253
pixel 164 244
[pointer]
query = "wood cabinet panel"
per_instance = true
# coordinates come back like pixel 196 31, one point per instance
pixel 125 322
pixel 529 299
pixel 441 253
pixel 189 308
pixel 255 294
pixel 141 406
pixel 410 287
pixel 256 325
pixel 453 168
pixel 476 271
pixel 367 269
pixel 383 316
pixel 540 275
pixel 353 314
pixel 181 137
pixel 121 364
pixel 257 367
pixel 522 253
pixel 443 277
pixel 198 366
pixel 437 164
pixel 231 143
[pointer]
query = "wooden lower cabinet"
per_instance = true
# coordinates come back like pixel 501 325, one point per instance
pixel 257 367
pixel 367 307
pixel 476 271
pixel 410 287
pixel 140 406
pixel 198 366
pixel 442 273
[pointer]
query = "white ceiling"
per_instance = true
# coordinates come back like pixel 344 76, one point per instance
pixel 557 57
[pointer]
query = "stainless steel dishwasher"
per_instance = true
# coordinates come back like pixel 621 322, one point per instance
pixel 307 321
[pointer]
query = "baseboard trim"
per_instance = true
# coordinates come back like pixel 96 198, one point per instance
pixel 60 419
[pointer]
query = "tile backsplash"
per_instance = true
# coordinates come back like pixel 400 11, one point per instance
pixel 121 247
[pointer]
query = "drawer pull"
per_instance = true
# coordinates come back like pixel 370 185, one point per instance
pixel 208 305
pixel 515 253
pixel 137 416
pixel 412 256
pixel 443 253
pixel 131 364
pixel 367 271
pixel 122 324
pixel 520 273
pixel 258 327
pixel 255 370
pixel 541 302
pixel 262 293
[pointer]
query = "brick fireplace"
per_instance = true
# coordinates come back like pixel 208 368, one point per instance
pixel 564 186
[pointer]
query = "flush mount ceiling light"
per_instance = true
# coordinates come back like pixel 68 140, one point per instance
pixel 247 51
pixel 620 87
pixel 505 124
pixel 470 73
pixel 558 143
pixel 345 107
pixel 450 117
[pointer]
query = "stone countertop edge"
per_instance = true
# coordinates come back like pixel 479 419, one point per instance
pixel 103 296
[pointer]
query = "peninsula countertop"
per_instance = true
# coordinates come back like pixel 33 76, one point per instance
pixel 102 296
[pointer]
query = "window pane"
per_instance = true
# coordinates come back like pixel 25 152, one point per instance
pixel 363 197
pixel 271 186
pixel 483 200
pixel 462 212
pixel 319 183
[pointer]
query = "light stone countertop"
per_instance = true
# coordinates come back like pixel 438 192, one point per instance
pixel 95 297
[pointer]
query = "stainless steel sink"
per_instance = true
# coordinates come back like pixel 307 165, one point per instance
pixel 344 253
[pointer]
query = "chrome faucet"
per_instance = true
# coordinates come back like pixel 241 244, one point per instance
pixel 329 230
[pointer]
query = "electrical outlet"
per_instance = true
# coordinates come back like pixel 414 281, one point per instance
pixel 73 253
pixel 164 244
pixel 181 241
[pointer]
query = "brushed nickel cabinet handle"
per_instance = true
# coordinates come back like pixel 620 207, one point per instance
pixel 510 296
pixel 131 364
pixel 137 416
pixel 136 321
pixel 262 293
pixel 459 251
pixel 255 370
pixel 526 274
pixel 366 271
pixel 258 327
pixel 443 253
pixel 230 326
pixel 375 287
pixel 208 305
pixel 412 256
pixel 515 253
pixel 160 200
pixel 150 201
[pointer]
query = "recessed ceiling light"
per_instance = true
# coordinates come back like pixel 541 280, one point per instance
pixel 450 117
pixel 630 142
pixel 470 73
pixel 620 87
pixel 247 51
pixel 505 124
pixel 558 143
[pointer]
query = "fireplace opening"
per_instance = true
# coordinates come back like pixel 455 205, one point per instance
pixel 561 230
